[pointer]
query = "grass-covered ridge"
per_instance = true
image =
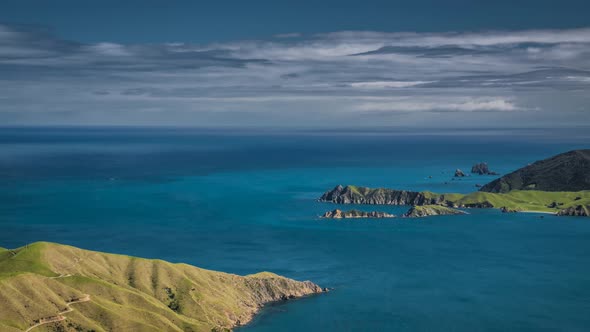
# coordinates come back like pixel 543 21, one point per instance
pixel 128 293
pixel 569 171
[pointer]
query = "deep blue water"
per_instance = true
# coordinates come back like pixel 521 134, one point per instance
pixel 245 201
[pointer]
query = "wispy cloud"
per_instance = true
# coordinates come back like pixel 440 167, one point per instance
pixel 444 104
pixel 334 77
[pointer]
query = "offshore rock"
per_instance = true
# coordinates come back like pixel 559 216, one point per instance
pixel 482 169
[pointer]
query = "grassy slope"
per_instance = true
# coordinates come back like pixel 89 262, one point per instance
pixel 28 260
pixel 564 172
pixel 527 200
pixel 128 293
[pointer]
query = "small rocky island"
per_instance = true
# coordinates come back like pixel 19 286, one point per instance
pixel 459 173
pixel 482 169
pixel 339 214
pixel 414 212
pixel 431 210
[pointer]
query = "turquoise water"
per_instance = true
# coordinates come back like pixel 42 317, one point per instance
pixel 244 202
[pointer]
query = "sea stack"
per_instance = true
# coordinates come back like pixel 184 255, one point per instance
pixel 482 169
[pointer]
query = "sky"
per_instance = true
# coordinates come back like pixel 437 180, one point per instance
pixel 310 64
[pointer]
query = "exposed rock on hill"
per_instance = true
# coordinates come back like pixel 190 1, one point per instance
pixel 508 210
pixel 568 171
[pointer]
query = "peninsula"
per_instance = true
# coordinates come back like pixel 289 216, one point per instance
pixel 46 285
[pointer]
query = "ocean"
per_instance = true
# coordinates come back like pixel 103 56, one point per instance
pixel 244 201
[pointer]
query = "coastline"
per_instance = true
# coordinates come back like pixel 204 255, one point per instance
pixel 543 212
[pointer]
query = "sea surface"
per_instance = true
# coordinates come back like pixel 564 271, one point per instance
pixel 244 201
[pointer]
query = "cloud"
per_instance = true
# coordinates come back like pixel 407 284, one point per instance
pixel 443 104
pixel 334 77
pixel 387 84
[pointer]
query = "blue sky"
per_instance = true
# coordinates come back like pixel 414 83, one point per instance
pixel 304 64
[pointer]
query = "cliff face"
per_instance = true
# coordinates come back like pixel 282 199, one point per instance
pixel 339 214
pixel 123 293
pixel 568 171
pixel 379 196
pixel 579 211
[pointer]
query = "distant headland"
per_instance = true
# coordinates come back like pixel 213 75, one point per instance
pixel 558 185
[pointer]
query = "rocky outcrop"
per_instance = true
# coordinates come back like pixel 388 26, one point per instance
pixel 339 214
pixel 568 171
pixel 508 210
pixel 431 210
pixel 554 205
pixel 578 210
pixel 473 205
pixel 459 173
pixel 482 169
pixel 379 196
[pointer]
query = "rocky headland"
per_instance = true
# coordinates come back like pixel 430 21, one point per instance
pixel 378 196
pixel 578 211
pixel 559 185
pixel 514 201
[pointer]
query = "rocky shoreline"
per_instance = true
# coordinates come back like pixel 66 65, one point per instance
pixel 577 211
pixel 413 212
pixel 351 214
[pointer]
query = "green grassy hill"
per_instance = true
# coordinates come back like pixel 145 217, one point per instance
pixel 128 293
pixel 568 171
pixel 527 200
